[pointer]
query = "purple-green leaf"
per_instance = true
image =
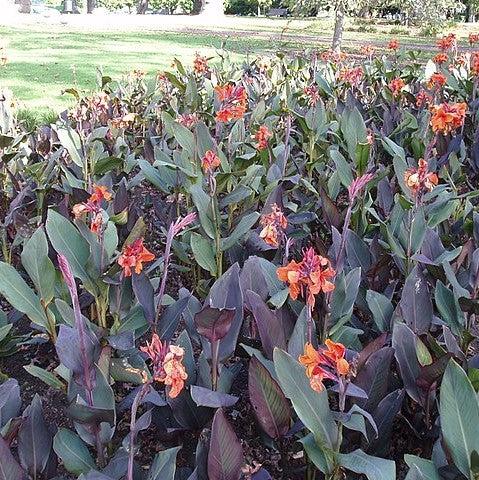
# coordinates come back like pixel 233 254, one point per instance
pixel 34 439
pixel 225 457
pixel 415 304
pixel 269 324
pixel 214 323
pixel 271 407
pixel 204 397
pixel 9 467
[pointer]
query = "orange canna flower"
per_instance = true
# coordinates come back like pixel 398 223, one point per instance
pixel 473 38
pixel 368 49
pixel 200 64
pixel 309 277
pixel 446 43
pixel 234 102
pixel 310 359
pixel 448 117
pixel 335 352
pixel 333 57
pixel 437 80
pixel 93 206
pixel 396 85
pixel 274 224
pixel 79 209
pixel 100 192
pixel 133 256
pixel 291 274
pixel 420 179
pixel 393 44
pixel 440 58
pixel 210 161
pixel 325 363
pixel 353 76
pixel 168 365
pixel 262 136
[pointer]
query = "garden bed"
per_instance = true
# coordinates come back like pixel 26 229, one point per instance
pixel 257 271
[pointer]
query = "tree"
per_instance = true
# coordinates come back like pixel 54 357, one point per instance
pixel 339 14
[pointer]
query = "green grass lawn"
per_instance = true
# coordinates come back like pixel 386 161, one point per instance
pixel 42 64
pixel 43 61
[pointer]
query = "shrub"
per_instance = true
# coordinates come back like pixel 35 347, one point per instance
pixel 294 237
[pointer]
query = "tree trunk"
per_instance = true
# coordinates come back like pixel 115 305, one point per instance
pixel 338 26
pixel 142 7
pixel 90 6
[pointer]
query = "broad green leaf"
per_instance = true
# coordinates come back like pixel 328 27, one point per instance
pixel 459 410
pixel 426 468
pixel 374 468
pixel 312 407
pixel 204 252
pixel 153 175
pixel 73 452
pixel 381 308
pixel 45 376
pixel 70 139
pixel 164 465
pixel 38 266
pixel 240 231
pixel 66 240
pixel 449 309
pixel 20 295
pixel 183 136
pixel 322 458
pixel 202 203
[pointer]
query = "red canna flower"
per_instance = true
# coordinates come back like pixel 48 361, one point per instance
pixel 473 38
pixel 312 94
pixel 325 363
pixel 396 85
pixel 309 277
pixel 357 185
pixel 168 365
pixel 210 161
pixel 188 120
pixel 133 256
pixel 262 136
pixel 437 80
pixel 475 64
pixel 420 179
pixel 274 224
pixel 448 117
pixel 393 44
pixel 447 42
pixel 423 99
pixel 440 58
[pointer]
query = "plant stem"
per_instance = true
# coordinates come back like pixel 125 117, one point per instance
pixel 134 410
pixel 217 224
pixel 309 320
pixel 215 349
pixel 342 246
